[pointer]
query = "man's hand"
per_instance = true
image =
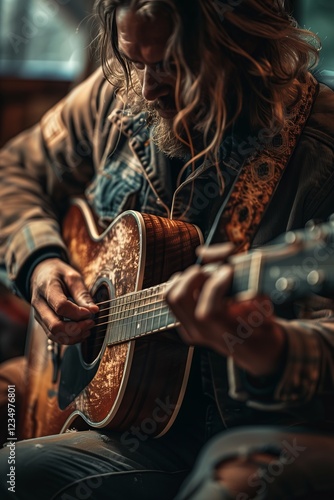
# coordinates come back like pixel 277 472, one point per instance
pixel 246 330
pixel 65 321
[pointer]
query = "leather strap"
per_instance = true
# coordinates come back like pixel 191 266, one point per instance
pixel 261 174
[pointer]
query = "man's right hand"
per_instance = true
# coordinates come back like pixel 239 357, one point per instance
pixel 63 305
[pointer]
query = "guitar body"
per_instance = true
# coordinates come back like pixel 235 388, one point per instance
pixel 94 384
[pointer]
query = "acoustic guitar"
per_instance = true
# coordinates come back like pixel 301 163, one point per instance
pixel 133 369
pixel 133 366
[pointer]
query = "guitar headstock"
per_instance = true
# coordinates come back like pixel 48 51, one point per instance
pixel 295 265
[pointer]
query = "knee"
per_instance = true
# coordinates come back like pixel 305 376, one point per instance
pixel 247 477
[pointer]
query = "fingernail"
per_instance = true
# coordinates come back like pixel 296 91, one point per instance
pixel 92 304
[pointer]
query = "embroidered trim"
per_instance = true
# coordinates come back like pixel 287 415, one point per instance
pixel 261 174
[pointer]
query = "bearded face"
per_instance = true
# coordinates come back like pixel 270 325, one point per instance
pixel 142 42
pixel 162 130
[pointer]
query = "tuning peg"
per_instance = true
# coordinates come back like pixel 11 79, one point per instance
pixel 285 284
pixel 311 224
pixel 315 278
pixel 291 237
pixel 315 229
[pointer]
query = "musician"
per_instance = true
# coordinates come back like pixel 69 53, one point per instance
pixel 206 112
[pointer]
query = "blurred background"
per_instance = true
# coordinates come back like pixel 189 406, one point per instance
pixel 318 16
pixel 45 49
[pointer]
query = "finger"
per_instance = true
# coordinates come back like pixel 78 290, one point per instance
pixel 253 309
pixel 186 337
pixel 185 287
pixel 62 332
pixel 59 301
pixel 183 295
pixel 79 292
pixel 171 282
pixel 213 294
pixel 215 253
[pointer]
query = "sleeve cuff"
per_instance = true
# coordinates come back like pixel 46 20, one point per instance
pixel 35 237
pixel 22 283
pixel 295 383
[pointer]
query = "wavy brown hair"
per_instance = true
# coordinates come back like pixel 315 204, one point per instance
pixel 233 58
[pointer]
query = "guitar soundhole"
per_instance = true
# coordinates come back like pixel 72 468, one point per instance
pixel 91 347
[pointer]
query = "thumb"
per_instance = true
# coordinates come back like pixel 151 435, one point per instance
pixel 80 294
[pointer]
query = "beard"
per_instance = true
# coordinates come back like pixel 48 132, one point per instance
pixel 162 131
pixel 164 138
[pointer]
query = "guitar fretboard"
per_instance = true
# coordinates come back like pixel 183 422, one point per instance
pixel 140 313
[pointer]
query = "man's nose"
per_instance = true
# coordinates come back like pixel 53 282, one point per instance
pixel 154 84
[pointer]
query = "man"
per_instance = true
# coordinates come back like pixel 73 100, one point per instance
pixel 204 99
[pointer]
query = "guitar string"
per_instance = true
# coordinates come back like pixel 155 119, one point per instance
pixel 125 305
pixel 122 306
pixel 100 338
pixel 133 316
pixel 132 320
pixel 133 294
pixel 124 310
pixel 127 315
pixel 148 292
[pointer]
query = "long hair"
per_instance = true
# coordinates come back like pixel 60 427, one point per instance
pixel 233 58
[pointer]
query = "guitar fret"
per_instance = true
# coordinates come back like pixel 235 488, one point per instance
pixel 142 320
pixel 251 267
pixel 241 274
pixel 116 331
pixel 124 317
